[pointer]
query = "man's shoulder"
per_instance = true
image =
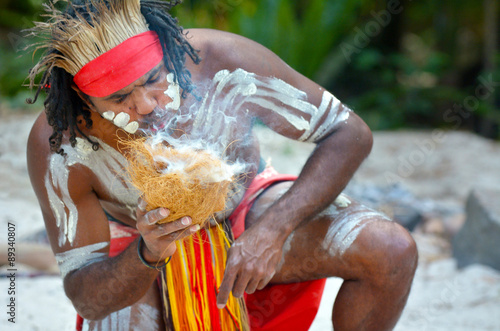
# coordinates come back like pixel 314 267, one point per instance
pixel 213 42
pixel 39 151
pixel 221 50
pixel 38 140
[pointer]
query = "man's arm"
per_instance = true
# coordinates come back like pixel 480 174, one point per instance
pixel 255 254
pixel 96 284
pixel 343 141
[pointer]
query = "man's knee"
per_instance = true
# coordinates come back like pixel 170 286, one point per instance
pixel 391 254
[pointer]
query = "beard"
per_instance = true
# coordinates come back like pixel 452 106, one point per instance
pixel 157 120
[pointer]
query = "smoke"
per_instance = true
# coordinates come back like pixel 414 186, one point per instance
pixel 209 124
pixel 220 122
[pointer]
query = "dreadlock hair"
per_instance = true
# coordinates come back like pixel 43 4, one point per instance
pixel 62 104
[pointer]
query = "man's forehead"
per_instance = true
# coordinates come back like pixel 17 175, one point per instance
pixel 140 81
pixel 121 66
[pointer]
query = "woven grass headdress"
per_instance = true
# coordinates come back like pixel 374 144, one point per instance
pixel 86 30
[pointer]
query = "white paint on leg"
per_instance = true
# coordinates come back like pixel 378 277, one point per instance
pixel 348 225
pixel 342 201
pixel 286 248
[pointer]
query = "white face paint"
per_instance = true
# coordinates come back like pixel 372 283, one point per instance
pixel 173 92
pixel 348 225
pixel 109 167
pixel 80 257
pixel 109 115
pixel 122 120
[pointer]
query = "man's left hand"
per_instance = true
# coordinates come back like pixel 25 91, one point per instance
pixel 251 263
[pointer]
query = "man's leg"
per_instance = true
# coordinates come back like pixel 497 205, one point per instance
pixel 376 258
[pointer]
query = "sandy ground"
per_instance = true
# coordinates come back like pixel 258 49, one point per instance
pixel 438 166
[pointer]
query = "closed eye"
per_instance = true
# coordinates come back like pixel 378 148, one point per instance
pixel 120 98
pixel 153 79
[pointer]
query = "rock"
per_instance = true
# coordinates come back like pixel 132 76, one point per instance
pixel 404 213
pixel 477 241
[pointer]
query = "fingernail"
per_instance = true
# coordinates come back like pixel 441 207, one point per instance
pixel 186 221
pixel 164 212
pixel 195 228
pixel 220 306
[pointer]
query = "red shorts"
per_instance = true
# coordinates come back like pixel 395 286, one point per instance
pixel 276 307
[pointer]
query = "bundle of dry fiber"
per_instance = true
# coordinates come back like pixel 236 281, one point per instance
pixel 187 181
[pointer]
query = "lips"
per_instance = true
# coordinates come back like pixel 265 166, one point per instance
pixel 156 121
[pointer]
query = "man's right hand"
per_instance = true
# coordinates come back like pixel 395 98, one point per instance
pixel 159 239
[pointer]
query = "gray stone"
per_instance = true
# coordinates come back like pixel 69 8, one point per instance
pixel 478 241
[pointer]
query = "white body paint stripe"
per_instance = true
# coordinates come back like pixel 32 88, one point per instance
pixel 117 321
pixel 232 90
pixel 342 234
pixel 79 257
pixel 106 163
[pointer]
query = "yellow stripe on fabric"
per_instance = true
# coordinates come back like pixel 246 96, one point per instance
pixel 187 285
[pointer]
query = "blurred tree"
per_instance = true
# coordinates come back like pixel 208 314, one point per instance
pixel 397 63
pixel 15 63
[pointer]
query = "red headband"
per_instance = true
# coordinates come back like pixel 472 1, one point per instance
pixel 120 66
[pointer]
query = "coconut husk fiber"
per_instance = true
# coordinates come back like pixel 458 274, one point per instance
pixel 187 181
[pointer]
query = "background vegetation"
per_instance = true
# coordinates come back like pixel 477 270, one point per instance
pixel 415 64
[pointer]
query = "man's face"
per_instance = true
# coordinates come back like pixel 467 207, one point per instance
pixel 144 104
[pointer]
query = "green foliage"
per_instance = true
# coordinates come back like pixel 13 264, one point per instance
pixel 15 61
pixel 302 33
pixel 410 71
pixel 13 76
pixel 394 90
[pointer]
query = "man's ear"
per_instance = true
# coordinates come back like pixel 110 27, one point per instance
pixel 85 98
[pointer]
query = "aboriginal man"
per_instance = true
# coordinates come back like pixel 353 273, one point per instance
pixel 116 69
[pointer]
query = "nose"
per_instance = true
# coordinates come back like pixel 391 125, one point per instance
pixel 146 101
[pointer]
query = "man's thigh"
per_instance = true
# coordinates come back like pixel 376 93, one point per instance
pixel 343 241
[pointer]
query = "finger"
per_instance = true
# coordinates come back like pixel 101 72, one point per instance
pixel 225 287
pixel 263 283
pixel 175 226
pixel 240 285
pixel 252 286
pixel 141 208
pixel 156 215
pixel 142 204
pixel 181 234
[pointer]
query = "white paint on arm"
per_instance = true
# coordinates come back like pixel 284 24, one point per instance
pixel 237 90
pixel 80 257
pixel 319 129
pixel 106 163
pixel 145 317
pixel 117 321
